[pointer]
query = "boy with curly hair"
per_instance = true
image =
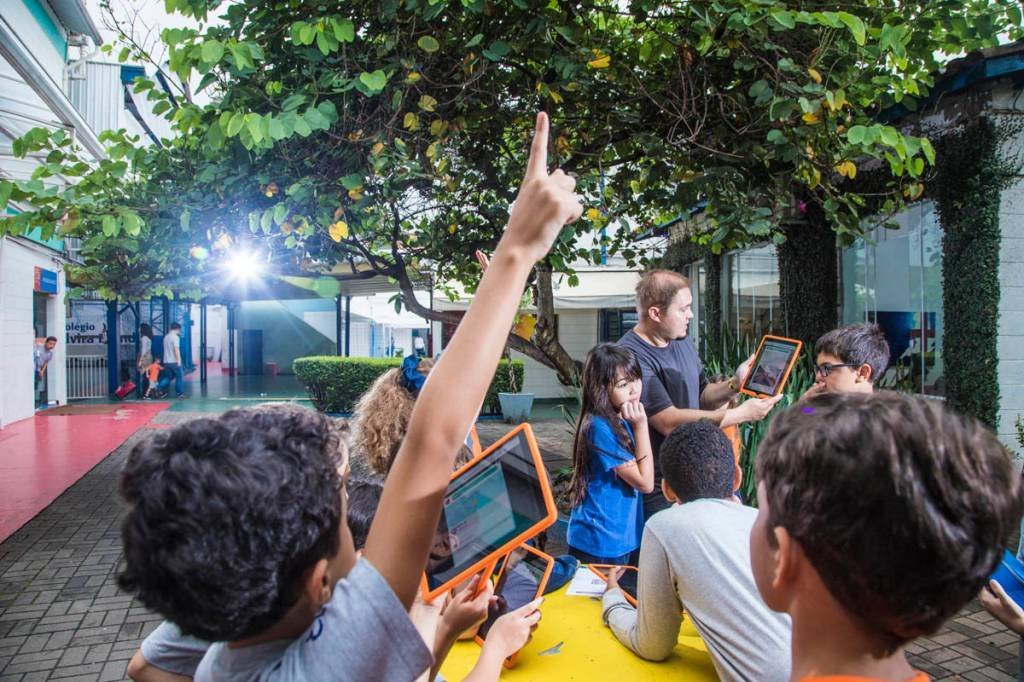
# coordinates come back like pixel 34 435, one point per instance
pixel 234 529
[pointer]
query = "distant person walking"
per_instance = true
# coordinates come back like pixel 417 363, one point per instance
pixel 42 353
pixel 172 358
pixel 145 355
pixel 419 345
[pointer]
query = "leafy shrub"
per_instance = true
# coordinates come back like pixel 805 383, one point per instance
pixel 335 383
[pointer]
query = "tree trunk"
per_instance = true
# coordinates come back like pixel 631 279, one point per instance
pixel 809 278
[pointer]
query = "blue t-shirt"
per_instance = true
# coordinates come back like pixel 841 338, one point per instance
pixel 609 520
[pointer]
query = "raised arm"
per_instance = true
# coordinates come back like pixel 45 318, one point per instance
pixel 410 506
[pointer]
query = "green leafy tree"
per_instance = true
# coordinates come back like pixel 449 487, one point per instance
pixel 386 138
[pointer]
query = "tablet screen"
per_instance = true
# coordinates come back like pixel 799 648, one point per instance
pixel 627 582
pixel 485 507
pixel 770 366
pixel 517 586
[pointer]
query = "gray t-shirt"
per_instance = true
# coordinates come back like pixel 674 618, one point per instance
pixel 168 649
pixel 362 634
pixel 696 557
pixel 673 377
pixel 42 356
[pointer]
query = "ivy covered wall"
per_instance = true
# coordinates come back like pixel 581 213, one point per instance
pixel 969 180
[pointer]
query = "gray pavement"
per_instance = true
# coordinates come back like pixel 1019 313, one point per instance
pixel 63 617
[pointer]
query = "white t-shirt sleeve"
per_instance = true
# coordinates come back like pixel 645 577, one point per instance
pixel 166 648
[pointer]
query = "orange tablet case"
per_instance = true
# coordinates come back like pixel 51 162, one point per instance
pixel 550 561
pixel 785 375
pixel 492 558
pixel 602 571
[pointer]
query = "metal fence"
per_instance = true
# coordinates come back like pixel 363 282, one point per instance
pixel 87 376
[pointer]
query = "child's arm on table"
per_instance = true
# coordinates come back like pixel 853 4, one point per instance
pixel 509 634
pixel 462 613
pixel 410 506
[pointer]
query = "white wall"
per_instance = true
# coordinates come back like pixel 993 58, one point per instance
pixel 17 269
pixel 577 331
pixel 20 19
pixel 1011 314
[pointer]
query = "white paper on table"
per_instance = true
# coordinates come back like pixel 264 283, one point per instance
pixel 586 583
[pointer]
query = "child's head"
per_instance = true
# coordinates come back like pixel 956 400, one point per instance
pixel 230 517
pixel 894 506
pixel 382 417
pixel 363 498
pixel 697 463
pixel 852 358
pixel 611 377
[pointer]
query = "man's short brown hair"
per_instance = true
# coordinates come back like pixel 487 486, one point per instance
pixel 901 505
pixel 657 288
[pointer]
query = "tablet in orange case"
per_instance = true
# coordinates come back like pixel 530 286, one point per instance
pixel 602 570
pixel 534 577
pixel 499 499
pixel 773 362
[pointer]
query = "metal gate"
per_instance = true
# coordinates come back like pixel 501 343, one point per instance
pixel 87 376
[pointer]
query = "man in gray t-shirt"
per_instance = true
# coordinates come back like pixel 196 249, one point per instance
pixel 675 390
pixel 695 557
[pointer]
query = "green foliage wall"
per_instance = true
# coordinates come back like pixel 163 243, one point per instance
pixel 809 278
pixel 335 383
pixel 969 180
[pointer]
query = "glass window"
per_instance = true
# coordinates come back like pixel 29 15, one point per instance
pixel 752 292
pixel 894 278
pixel 697 275
pixel 615 323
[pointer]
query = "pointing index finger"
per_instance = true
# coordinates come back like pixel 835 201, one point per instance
pixel 537 165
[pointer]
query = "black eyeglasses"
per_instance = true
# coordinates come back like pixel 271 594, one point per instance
pixel 826 367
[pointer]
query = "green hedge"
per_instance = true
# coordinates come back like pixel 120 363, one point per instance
pixel 335 383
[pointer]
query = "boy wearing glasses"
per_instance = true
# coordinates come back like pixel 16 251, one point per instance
pixel 849 360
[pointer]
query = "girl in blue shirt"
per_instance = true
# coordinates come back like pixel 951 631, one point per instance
pixel 612 460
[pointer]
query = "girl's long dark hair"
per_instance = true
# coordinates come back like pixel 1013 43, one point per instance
pixel 599 372
pixel 145 330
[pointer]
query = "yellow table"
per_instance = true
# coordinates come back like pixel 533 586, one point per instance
pixel 571 643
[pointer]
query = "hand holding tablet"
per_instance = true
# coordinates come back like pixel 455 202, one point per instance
pixel 771 367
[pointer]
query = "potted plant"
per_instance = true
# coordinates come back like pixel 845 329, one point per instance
pixel 515 405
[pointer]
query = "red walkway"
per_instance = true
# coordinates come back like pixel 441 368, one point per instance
pixel 43 456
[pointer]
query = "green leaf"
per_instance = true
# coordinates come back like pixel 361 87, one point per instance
pixel 784 18
pixel 375 81
pixel 329 111
pixel 497 50
pixel 475 40
pixel 352 181
pixel 856 134
pixel 132 224
pixel 315 119
pixel 855 25
pixel 889 135
pixel 302 128
pixel 322 43
pixel 280 212
pixel 212 51
pixel 1013 13
pixel 276 129
pixel 161 107
pixel 253 123
pixel 428 44
pixel 344 30
pixel 292 102
pixel 926 147
pixel 109 225
pixel 236 123
pixel 5 193
pixel 307 34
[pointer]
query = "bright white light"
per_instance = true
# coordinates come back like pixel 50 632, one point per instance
pixel 244 265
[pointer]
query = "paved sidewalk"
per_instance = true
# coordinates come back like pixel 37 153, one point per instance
pixel 62 616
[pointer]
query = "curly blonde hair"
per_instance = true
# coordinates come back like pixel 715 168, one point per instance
pixel 381 419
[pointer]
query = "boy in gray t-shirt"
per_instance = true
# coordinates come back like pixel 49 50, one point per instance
pixel 234 529
pixel 696 556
